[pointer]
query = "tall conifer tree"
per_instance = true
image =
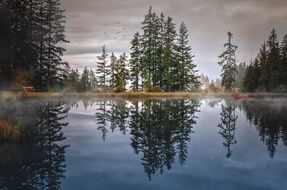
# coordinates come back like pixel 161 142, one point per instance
pixel 102 69
pixel 149 48
pixel 54 40
pixel 113 70
pixel 170 68
pixel 121 74
pixel 252 77
pixel 228 63
pixel 17 18
pixel 187 78
pixel 283 76
pixel 85 80
pixel 161 30
pixel 5 51
pixel 273 60
pixel 264 71
pixel 135 62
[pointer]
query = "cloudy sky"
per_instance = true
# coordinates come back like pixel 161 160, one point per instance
pixel 93 23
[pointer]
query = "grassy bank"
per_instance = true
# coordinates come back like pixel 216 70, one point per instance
pixel 135 95
pixel 8 132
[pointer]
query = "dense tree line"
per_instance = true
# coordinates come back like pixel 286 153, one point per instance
pixel 268 71
pixel 160 60
pixel 161 57
pixel 32 34
pixel 87 81
pixel 109 76
pixel 240 75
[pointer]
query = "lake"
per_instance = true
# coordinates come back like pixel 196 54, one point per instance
pixel 92 143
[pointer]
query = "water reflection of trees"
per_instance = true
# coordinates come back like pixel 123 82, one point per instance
pixel 112 115
pixel 269 118
pixel 37 161
pixel 102 118
pixel 227 125
pixel 159 129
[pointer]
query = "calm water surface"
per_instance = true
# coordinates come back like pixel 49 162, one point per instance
pixel 145 144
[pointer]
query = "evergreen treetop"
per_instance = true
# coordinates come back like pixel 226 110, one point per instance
pixel 228 62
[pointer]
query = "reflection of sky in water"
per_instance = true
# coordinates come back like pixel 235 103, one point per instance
pixel 95 164
pixel 92 163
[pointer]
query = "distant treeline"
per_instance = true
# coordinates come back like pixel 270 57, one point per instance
pixel 32 35
pixel 110 75
pixel 268 71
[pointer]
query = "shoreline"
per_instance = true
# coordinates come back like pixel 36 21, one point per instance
pixel 129 95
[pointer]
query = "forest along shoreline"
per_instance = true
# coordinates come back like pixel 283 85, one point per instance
pixel 142 95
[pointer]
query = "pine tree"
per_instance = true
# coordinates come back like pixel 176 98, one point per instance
pixel 149 49
pixel 41 38
pixel 256 74
pixel 248 79
pixel 241 71
pixel 170 68
pixel 74 80
pixel 122 74
pixel 135 63
pixel 102 70
pixel 17 19
pixel 113 71
pixel 160 60
pixel 187 79
pixel 19 32
pixel 264 71
pixel 273 61
pixel 228 63
pixel 283 76
pixel 55 38
pixel 158 34
pixel 159 68
pixel 85 80
pixel 36 33
pixel 6 69
pixel 251 81
pixel 270 63
pixel 93 80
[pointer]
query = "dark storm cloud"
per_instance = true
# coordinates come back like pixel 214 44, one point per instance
pixel 92 23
